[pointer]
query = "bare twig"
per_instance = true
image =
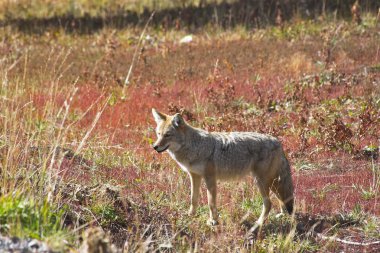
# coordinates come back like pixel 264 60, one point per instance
pixel 97 117
pixel 334 238
pixel 126 82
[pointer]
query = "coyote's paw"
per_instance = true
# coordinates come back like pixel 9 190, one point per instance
pixel 279 215
pixel 255 228
pixel 191 211
pixel 211 222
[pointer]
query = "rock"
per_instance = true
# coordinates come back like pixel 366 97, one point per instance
pixel 16 244
pixel 96 241
pixel 186 39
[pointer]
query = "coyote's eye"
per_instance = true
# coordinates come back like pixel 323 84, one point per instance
pixel 167 135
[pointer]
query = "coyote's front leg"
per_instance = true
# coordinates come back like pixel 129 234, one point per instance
pixel 195 187
pixel 211 197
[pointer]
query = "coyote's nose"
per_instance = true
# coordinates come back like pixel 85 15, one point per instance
pixel 155 147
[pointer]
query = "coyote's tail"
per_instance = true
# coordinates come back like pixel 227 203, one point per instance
pixel 283 185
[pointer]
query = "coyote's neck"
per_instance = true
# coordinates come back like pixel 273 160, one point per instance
pixel 197 146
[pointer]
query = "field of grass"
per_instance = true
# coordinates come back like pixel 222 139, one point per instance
pixel 75 137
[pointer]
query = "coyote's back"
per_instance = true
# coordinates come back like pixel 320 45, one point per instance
pixel 239 153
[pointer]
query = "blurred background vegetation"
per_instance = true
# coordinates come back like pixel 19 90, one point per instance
pixel 86 16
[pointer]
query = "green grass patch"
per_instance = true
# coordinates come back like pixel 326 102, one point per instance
pixel 26 217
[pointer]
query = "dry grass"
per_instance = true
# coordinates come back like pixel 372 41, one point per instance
pixel 71 140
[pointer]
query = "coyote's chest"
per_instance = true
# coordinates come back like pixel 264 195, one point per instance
pixel 194 167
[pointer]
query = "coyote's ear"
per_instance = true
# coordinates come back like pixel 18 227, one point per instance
pixel 158 117
pixel 178 120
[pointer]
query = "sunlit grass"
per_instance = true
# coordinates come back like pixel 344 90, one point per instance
pixel 75 153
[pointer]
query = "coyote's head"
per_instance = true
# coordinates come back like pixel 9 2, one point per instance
pixel 169 131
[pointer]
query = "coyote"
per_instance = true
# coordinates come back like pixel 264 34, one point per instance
pixel 218 155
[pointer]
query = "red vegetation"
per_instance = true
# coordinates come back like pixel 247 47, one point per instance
pixel 331 192
pixel 245 85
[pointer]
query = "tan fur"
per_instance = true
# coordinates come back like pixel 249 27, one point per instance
pixel 225 156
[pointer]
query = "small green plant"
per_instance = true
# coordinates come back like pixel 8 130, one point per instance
pixel 366 193
pixel 27 217
pixel 321 194
pixel 107 213
pixel 253 205
pixel 285 243
pixel 356 215
pixel 371 226
pixel 372 191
